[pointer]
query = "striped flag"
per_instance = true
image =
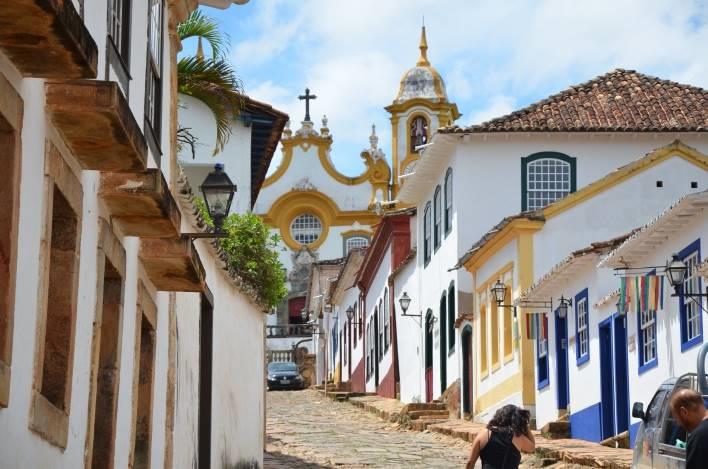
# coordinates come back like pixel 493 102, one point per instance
pixel 545 326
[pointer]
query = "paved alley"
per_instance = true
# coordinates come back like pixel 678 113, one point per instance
pixel 307 430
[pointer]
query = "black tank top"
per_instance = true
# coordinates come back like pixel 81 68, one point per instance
pixel 500 452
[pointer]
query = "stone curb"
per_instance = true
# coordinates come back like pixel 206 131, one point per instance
pixel 568 451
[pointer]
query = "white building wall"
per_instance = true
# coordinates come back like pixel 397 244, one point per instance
pixel 409 336
pixel 374 295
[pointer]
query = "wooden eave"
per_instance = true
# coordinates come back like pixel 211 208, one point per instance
pixel 172 264
pixel 96 123
pixel 47 39
pixel 141 203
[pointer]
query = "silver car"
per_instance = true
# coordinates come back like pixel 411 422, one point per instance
pixel 661 442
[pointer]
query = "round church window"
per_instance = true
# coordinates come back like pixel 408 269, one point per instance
pixel 306 228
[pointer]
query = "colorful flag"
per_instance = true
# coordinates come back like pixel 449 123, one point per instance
pixel 637 294
pixel 545 326
pixel 623 291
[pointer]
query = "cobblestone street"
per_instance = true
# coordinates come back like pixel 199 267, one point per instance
pixel 307 430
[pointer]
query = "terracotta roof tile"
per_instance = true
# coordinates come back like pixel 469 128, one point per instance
pixel 619 101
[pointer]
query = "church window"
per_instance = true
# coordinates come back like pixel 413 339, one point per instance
pixel 418 133
pixel 437 207
pixel 545 178
pixel 448 201
pixel 306 228
pixel 426 234
pixel 354 242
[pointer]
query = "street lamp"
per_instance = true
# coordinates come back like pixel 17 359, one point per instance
pixel 405 301
pixel 676 271
pixel 350 316
pixel 498 292
pixel 218 191
pixel 563 307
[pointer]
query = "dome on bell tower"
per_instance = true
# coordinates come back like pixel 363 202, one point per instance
pixel 422 81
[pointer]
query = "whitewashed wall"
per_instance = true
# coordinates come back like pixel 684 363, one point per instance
pixel 375 294
pixel 409 336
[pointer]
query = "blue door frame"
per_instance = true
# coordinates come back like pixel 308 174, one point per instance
pixel 621 375
pixel 607 410
pixel 614 380
pixel 563 390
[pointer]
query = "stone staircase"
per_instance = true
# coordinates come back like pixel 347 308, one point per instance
pixel 418 416
pixel 557 430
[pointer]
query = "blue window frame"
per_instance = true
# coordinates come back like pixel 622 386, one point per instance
pixel 542 373
pixel 689 310
pixel 582 327
pixel 647 335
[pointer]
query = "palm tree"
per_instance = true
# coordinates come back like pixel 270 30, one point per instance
pixel 211 80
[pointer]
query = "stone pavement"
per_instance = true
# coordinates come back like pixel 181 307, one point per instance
pixel 567 452
pixel 307 430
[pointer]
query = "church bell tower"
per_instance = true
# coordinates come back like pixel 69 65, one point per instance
pixel 419 109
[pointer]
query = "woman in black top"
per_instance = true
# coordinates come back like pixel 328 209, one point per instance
pixel 507 435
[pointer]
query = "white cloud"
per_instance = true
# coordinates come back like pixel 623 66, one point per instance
pixel 495 56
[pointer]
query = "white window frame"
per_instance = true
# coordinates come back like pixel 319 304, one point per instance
pixel 542 185
pixel 647 326
pixel 583 328
pixel 691 284
pixel 306 228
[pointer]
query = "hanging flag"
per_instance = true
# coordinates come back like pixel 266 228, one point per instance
pixel 528 326
pixel 661 298
pixel 545 326
pixel 623 291
pixel 637 294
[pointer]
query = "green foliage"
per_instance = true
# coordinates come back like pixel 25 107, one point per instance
pixel 211 80
pixel 252 254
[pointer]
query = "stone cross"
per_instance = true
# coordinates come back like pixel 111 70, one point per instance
pixel 307 97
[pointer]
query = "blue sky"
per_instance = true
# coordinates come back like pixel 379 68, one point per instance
pixel 494 56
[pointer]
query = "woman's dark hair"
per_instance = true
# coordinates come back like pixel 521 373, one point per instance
pixel 511 418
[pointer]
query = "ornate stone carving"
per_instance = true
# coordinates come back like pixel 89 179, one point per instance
pixel 304 184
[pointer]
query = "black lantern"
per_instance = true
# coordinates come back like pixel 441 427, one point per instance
pixel 218 191
pixel 405 302
pixel 563 307
pixel 499 292
pixel 676 271
pixel 621 308
pixel 350 313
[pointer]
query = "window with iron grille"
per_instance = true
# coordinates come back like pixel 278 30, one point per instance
pixel 153 81
pixel 354 242
pixel 545 178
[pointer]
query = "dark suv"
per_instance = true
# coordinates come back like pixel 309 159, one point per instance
pixel 284 375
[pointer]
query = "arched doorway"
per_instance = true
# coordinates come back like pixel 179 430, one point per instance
pixel 443 343
pixel 429 356
pixel 467 370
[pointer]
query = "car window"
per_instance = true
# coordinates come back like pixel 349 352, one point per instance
pixel 672 432
pixel 282 367
pixel 653 412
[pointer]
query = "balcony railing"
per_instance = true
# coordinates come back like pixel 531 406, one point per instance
pixel 289 330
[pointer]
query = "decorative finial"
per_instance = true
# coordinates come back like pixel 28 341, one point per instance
pixel 374 139
pixel 423 59
pixel 200 49
pixel 324 121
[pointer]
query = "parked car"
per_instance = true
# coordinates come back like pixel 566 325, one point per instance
pixel 284 375
pixel 661 442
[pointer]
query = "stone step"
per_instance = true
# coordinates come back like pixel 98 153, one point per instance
pixel 556 430
pixel 436 414
pixel 421 425
pixel 426 406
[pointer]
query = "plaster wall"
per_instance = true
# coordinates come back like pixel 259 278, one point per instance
pixel 350 298
pixel 409 334
pixel 615 211
pixel 374 296
pixel 236 155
